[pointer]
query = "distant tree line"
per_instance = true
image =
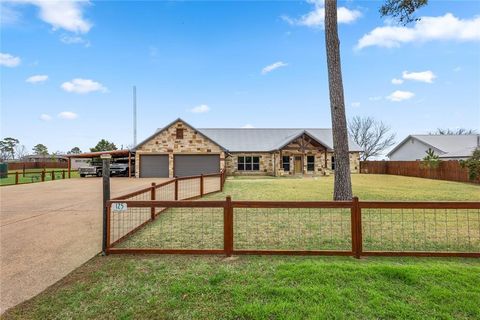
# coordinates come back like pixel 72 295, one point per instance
pixel 12 149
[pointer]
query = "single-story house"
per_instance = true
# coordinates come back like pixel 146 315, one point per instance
pixel 179 149
pixel 447 147
pixel 45 158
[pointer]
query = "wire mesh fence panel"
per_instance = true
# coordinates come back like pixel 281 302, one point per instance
pixel 188 188
pixel 165 192
pixel 179 228
pixel 123 223
pixel 448 230
pixel 292 229
pixel 211 184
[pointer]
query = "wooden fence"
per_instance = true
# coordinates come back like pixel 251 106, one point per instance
pixel 446 170
pixel 349 228
pixel 182 188
pixel 22 177
pixel 37 165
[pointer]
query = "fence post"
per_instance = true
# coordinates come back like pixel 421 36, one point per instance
pixel 63 174
pixel 16 177
pixel 53 175
pixel 201 185
pixel 106 197
pixel 107 242
pixel 43 176
pixel 228 227
pixel 152 197
pixel 222 179
pixel 356 222
pixel 24 170
pixel 176 188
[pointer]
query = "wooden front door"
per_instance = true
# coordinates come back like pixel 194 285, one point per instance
pixel 298 164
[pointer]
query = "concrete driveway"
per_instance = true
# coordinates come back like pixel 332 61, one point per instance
pixel 48 229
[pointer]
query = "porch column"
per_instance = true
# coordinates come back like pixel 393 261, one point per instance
pixel 129 164
pixel 326 162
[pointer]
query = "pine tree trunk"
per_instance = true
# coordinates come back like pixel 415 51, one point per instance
pixel 342 185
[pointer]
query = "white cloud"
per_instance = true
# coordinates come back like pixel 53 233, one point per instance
pixel 397 81
pixel 8 60
pixel 67 115
pixel 376 98
pixel 248 126
pixel 457 69
pixel 37 78
pixel 67 39
pixel 399 95
pixel 273 66
pixel 316 17
pixel 45 117
pixel 8 15
pixel 447 27
pixel 424 76
pixel 355 104
pixel 200 109
pixel 61 14
pixel 83 86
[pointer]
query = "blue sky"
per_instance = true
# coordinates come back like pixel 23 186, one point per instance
pixel 66 79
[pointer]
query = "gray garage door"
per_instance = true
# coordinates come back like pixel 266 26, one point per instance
pixel 192 165
pixel 154 166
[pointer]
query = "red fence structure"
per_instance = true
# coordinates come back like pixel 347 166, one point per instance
pixel 446 170
pixel 349 228
pixel 37 165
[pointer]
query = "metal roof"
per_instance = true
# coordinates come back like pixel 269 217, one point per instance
pixel 267 139
pixel 258 139
pixel 445 143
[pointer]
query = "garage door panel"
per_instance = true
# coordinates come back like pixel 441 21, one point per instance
pixel 153 166
pixel 192 165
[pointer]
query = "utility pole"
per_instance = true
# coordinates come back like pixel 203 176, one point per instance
pixel 134 116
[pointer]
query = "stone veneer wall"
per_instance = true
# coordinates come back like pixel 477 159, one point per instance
pixel 266 163
pixel 166 142
pixel 271 163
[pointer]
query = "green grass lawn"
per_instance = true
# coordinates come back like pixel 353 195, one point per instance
pixel 319 229
pixel 365 186
pixel 271 287
pixel 200 287
pixel 34 175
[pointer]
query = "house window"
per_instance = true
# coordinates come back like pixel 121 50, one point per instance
pixel 310 163
pixel 179 133
pixel 286 163
pixel 248 163
pixel 333 163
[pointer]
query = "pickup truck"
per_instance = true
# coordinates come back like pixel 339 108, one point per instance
pixel 116 169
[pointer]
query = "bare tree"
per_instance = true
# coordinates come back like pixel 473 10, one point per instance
pixel 402 10
pixel 20 152
pixel 371 135
pixel 460 131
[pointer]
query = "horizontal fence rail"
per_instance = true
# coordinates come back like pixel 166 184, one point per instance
pixel 22 177
pixel 353 228
pixel 123 224
pixel 446 170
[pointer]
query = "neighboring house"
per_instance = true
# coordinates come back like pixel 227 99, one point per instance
pixel 448 147
pixel 182 150
pixel 45 158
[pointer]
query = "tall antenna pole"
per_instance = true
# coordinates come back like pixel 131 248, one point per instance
pixel 134 116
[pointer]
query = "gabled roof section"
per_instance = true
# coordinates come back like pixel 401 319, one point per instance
pixel 269 139
pixel 258 140
pixel 304 132
pixel 158 131
pixel 443 143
